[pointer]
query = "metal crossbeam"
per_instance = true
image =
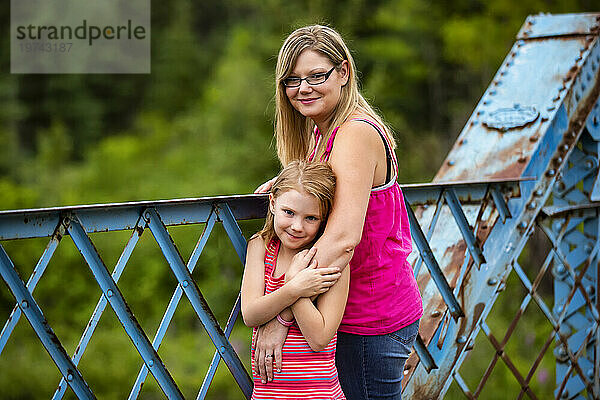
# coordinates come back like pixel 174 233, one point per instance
pixel 172 306
pixel 432 265
pixel 47 337
pixel 100 307
pixel 121 309
pixel 199 305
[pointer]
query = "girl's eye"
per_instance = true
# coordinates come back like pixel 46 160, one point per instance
pixel 312 218
pixel 288 212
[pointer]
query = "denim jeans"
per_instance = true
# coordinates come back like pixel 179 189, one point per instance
pixel 372 367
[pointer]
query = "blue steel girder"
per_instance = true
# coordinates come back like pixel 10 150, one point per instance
pixel 527 124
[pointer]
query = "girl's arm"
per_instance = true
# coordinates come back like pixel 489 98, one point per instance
pixel 258 308
pixel 319 324
pixel 357 155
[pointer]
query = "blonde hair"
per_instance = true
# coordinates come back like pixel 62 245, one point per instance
pixel 316 179
pixel 293 130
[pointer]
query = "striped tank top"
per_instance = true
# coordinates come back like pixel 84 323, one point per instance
pixel 305 374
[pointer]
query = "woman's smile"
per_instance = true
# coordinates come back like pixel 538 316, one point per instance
pixel 308 101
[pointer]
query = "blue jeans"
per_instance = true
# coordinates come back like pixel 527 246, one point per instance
pixel 372 367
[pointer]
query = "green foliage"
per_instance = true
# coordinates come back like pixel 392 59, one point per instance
pixel 201 124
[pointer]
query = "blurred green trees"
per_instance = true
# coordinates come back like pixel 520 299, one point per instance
pixel 201 124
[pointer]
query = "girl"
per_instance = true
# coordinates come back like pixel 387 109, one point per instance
pixel 281 272
pixel 321 116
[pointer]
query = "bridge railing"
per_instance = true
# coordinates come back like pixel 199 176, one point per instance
pixel 79 222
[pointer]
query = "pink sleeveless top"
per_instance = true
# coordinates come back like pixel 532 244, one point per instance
pixel 384 295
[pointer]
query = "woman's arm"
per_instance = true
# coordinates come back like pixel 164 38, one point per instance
pixel 357 153
pixel 258 308
pixel 319 324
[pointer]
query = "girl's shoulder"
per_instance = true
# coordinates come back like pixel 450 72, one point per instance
pixel 256 245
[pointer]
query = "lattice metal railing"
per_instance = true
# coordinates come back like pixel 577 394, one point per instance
pixel 80 222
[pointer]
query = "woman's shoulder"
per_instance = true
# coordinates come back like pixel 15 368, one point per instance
pixel 357 134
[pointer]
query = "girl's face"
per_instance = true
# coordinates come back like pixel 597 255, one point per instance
pixel 316 101
pixel 296 218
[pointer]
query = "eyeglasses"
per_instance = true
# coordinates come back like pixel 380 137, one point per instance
pixel 314 79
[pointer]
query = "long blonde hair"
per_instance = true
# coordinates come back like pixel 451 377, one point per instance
pixel 293 130
pixel 316 179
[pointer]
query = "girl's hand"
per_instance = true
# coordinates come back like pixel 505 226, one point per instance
pixel 265 187
pixel 306 279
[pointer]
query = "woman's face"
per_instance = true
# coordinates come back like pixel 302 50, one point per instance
pixel 316 101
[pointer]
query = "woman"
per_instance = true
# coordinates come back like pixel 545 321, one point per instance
pixel 322 116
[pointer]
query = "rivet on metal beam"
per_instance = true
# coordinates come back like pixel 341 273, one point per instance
pixel 451 163
pixel 588 248
pixel 109 293
pixel 565 394
pixel 558 310
pixel 184 283
pixel 532 205
pixel 564 148
pixel 559 160
pixel 522 225
pixel 551 172
pixel 151 363
pixel 462 339
pixel 70 377
pixel 534 138
pixel 492 281
pixel 578 58
pixel 590 373
pixel 24 304
pixel 520 43
pixel 589 164
pixel 551 108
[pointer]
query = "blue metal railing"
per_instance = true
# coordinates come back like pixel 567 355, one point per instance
pixel 527 161
pixel 79 222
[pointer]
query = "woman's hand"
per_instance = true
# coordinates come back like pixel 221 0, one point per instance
pixel 305 279
pixel 265 187
pixel 269 341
